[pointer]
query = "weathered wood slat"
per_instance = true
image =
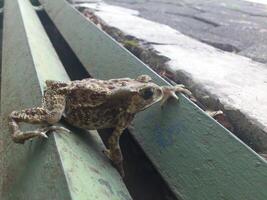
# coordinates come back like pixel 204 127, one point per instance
pixel 196 156
pixel 66 166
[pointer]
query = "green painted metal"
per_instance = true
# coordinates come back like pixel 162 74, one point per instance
pixel 66 166
pixel 197 157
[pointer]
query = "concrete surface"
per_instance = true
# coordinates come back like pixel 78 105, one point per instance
pixel 231 25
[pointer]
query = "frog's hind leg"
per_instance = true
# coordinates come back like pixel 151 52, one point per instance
pixel 38 115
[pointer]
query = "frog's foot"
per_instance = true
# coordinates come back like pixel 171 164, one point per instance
pixel 181 88
pixel 119 167
pixel 116 158
pixel 53 128
pixel 169 92
pixel 20 136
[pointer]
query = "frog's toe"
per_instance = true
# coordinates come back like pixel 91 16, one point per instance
pixel 107 153
pixel 181 88
pixel 119 167
pixel 116 161
pixel 53 128
pixel 43 134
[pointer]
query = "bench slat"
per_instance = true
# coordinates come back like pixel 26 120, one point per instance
pixel 66 166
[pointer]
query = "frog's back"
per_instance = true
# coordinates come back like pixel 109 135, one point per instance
pixel 100 86
pixel 93 92
pixel 91 103
pixel 52 84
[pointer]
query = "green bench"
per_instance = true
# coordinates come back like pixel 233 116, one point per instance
pixel 197 157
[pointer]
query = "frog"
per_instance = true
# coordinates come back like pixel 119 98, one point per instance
pixel 93 104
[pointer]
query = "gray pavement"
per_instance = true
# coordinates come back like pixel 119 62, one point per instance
pixel 231 25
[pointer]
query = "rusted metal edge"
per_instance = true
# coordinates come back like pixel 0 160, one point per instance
pixel 66 166
pixel 196 156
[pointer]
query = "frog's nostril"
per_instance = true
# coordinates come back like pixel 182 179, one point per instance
pixel 159 92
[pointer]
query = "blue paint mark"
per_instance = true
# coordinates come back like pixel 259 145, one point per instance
pixel 165 129
pixel 165 134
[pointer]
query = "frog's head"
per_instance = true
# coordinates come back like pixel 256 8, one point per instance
pixel 145 93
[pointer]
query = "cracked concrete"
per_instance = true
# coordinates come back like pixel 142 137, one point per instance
pixel 224 24
pixel 196 18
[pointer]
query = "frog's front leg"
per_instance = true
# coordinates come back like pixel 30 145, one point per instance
pixel 114 151
pixel 169 91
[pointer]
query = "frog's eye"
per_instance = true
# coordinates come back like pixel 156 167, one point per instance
pixel 147 93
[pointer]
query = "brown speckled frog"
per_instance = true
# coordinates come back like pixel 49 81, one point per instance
pixel 93 104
